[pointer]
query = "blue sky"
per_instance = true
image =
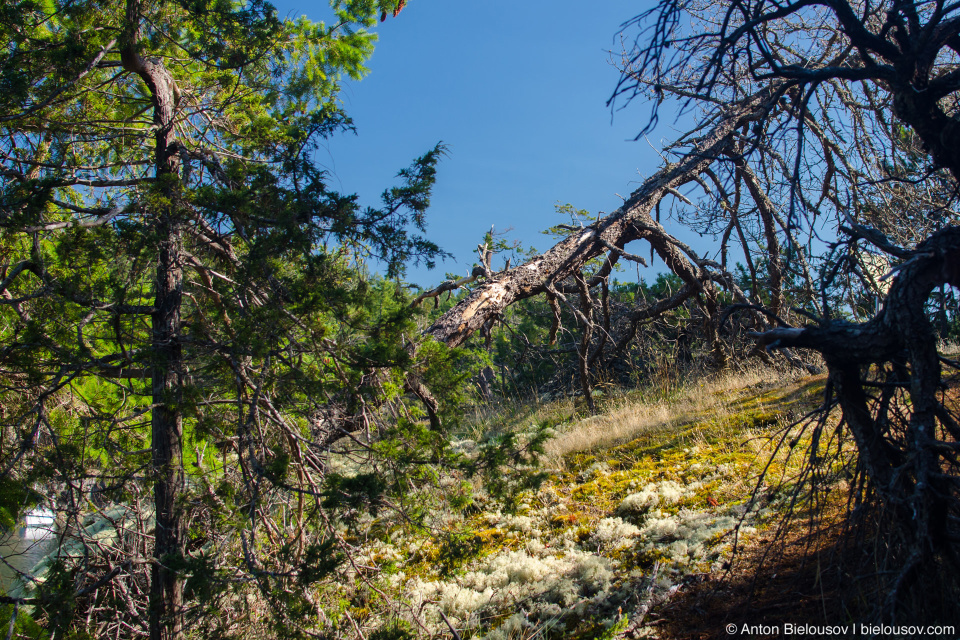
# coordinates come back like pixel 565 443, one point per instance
pixel 517 91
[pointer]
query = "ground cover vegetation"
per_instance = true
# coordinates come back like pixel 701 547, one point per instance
pixel 621 523
pixel 188 324
pixel 243 432
pixel 824 149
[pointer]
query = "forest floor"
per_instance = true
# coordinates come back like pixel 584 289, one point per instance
pixel 633 532
pixel 810 576
pixel 783 572
pixel 719 507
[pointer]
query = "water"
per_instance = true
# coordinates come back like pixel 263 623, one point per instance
pixel 22 548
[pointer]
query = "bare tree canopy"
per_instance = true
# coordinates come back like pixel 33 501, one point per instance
pixel 632 221
pixel 826 155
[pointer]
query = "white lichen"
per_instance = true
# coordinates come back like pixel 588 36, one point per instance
pixel 614 533
pixel 655 494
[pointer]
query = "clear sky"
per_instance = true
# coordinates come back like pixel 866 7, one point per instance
pixel 517 89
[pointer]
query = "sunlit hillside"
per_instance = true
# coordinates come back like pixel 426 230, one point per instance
pixel 653 494
pixel 710 398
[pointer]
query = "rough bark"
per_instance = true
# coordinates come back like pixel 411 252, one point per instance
pixel 909 471
pixel 166 588
pixel 940 132
pixel 632 221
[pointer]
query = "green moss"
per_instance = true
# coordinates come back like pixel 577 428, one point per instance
pixel 716 457
pixel 565 520
pixel 23 627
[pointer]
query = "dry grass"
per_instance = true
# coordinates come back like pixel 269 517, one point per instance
pixel 641 501
pixel 634 414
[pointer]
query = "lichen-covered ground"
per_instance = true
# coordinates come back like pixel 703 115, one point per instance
pixel 640 504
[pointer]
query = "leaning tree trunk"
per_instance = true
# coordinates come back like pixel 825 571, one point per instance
pixel 632 221
pixel 914 469
pixel 909 453
pixel 166 614
pixel 913 465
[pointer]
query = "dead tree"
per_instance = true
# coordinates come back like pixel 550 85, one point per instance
pixel 633 221
pixel 907 433
pixel 799 99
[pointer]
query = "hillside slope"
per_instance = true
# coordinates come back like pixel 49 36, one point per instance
pixel 641 503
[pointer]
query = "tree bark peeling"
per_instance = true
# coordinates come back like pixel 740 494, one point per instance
pixel 632 221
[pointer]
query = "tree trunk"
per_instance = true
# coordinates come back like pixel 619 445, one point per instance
pixel 630 222
pixel 166 585
pixel 166 588
pixel 909 474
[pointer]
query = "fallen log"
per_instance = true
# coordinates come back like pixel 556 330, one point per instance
pixel 630 222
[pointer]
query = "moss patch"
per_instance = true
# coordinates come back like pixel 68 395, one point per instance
pixel 640 516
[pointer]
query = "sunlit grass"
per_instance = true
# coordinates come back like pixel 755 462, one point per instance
pixel 658 487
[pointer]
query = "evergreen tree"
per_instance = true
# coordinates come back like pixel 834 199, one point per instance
pixel 184 303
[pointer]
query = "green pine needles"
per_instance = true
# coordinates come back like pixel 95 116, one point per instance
pixel 198 373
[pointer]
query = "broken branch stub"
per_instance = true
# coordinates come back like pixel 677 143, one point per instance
pixel 907 452
pixel 632 221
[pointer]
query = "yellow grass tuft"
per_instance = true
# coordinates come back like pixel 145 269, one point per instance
pixel 630 416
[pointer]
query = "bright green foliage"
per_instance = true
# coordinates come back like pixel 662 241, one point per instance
pixel 23 627
pixel 155 142
pixel 15 497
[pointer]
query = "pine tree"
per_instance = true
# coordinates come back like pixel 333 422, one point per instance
pixel 185 307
